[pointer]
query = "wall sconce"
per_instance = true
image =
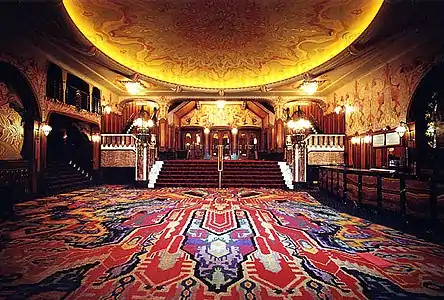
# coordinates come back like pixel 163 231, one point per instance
pixel 355 140
pixel 95 137
pixel 107 109
pixel 367 139
pixel 344 108
pixel 207 130
pixel 46 129
pixel 401 129
pixel 234 131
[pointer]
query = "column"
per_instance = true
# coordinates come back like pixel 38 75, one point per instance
pixel 279 126
pixel 162 115
pixel 90 102
pixel 64 84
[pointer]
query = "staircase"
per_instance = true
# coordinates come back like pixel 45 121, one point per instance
pixel 62 176
pixel 203 173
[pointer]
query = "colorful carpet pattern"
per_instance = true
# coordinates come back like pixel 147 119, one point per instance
pixel 117 243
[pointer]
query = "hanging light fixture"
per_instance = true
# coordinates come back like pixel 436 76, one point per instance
pixel 309 87
pixel 401 129
pixel 300 124
pixel 133 87
pixel 143 120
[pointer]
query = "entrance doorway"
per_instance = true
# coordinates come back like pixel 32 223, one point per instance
pixel 192 142
pixel 221 137
pixel 249 139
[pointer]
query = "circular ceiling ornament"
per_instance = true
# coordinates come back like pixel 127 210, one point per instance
pixel 221 44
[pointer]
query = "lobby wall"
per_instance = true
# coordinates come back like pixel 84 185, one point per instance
pixel 11 127
pixel 382 96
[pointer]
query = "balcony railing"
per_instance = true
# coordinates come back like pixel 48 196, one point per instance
pixel 118 142
pixel 325 142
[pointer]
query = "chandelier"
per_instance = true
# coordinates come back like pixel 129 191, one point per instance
pixel 143 120
pixel 301 123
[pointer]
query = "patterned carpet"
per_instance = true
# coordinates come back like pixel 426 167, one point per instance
pixel 116 243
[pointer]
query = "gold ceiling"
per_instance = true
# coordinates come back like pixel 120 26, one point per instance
pixel 221 43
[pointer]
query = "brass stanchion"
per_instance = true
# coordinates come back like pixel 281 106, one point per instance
pixel 220 162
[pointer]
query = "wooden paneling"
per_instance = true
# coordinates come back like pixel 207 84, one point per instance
pixel 418 198
pixel 352 187
pixel 370 190
pixel 391 199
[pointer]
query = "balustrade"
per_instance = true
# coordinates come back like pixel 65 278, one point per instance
pixel 118 141
pixel 334 142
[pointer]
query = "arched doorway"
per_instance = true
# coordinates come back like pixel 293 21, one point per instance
pixel 427 111
pixel 70 140
pixel 20 114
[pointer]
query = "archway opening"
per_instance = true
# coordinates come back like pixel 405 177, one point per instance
pixel 70 141
pixel 427 111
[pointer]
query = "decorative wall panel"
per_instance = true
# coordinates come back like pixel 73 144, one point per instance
pixel 118 158
pixel 325 158
pixel 231 115
pixel 11 129
pixel 381 98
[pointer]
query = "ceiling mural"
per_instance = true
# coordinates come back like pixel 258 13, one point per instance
pixel 232 115
pixel 221 44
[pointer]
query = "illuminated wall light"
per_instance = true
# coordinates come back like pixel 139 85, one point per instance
pixel 207 131
pixel 234 131
pixel 401 129
pixel 46 129
pixel 367 139
pixel 338 109
pixel 355 140
pixel 107 109
pixel 349 108
pixel 95 138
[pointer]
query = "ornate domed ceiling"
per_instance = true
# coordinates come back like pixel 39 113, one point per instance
pixel 221 44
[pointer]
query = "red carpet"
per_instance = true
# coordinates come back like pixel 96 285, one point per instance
pixel 236 173
pixel 115 243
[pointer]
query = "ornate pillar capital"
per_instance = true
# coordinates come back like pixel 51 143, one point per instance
pixel 279 107
pixel 163 106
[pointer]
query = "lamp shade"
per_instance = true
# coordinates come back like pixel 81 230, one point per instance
pixel 401 129
pixel 46 129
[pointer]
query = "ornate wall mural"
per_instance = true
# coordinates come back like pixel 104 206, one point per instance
pixel 11 129
pixel 222 44
pixel 232 115
pixel 381 98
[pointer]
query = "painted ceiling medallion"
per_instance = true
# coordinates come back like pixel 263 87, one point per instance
pixel 221 44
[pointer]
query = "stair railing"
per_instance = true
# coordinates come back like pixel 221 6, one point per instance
pixel 220 162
